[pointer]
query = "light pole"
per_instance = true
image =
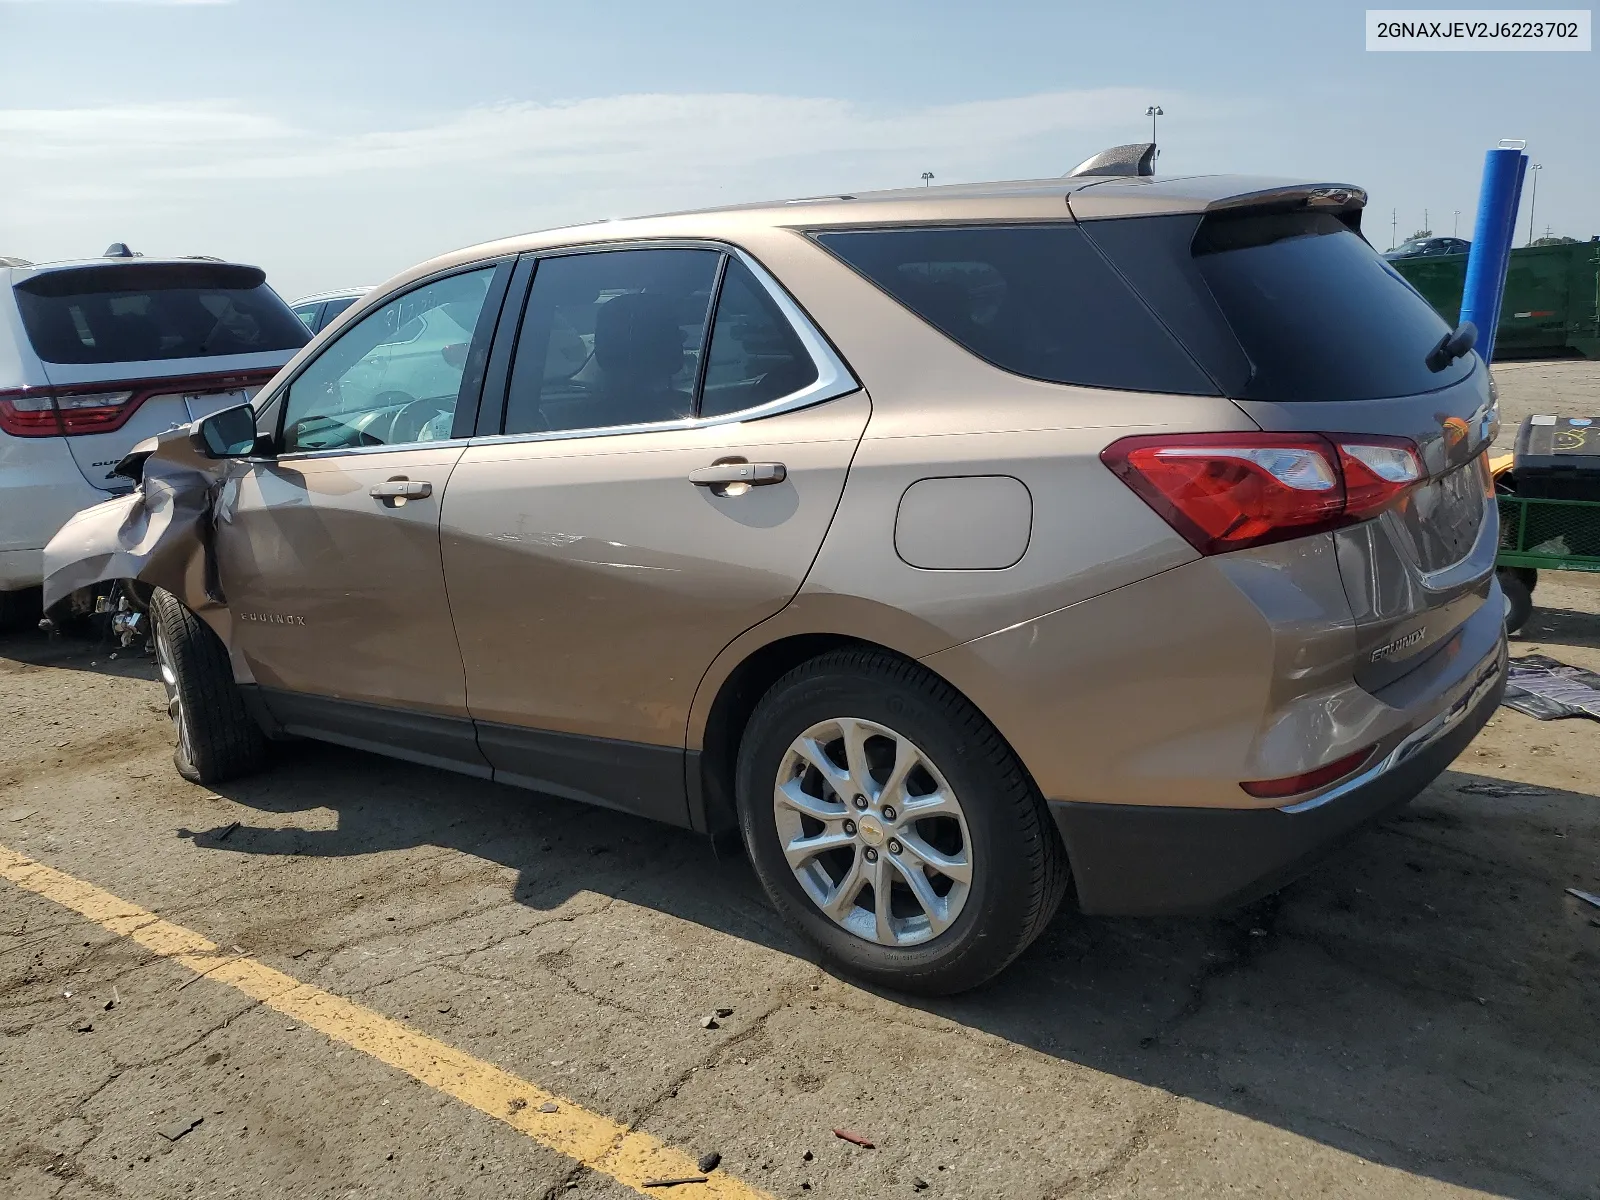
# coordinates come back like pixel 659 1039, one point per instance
pixel 1533 199
pixel 1425 224
pixel 1455 230
pixel 927 178
pixel 1154 111
pixel 1394 227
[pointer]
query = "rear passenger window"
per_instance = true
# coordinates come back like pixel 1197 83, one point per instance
pixel 1036 300
pixel 611 338
pixel 756 356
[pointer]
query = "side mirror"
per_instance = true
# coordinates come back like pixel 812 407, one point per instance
pixel 1452 346
pixel 230 433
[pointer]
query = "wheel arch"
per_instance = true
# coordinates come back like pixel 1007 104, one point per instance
pixel 724 705
pixel 723 720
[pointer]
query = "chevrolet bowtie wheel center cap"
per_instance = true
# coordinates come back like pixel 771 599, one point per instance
pixel 871 829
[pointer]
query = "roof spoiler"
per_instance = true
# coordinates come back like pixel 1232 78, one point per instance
pixel 1136 158
pixel 1334 197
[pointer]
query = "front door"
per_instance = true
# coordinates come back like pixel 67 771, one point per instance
pixel 627 525
pixel 329 554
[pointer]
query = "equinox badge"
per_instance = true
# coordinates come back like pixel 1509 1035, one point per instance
pixel 272 618
pixel 1399 644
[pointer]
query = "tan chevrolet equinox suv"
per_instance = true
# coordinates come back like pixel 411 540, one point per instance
pixel 956 546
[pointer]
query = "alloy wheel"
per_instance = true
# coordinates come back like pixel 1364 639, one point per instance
pixel 169 680
pixel 873 832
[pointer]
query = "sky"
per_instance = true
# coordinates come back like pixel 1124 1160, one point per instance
pixel 337 142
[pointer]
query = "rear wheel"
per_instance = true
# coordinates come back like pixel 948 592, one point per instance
pixel 217 739
pixel 889 822
pixel 1516 585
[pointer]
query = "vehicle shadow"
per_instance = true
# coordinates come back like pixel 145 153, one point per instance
pixel 1424 1000
pixel 1558 627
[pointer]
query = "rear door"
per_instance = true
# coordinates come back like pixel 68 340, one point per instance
pixel 674 442
pixel 1309 330
pixel 329 552
pixel 133 348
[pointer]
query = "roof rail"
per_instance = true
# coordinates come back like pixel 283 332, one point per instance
pixel 1136 158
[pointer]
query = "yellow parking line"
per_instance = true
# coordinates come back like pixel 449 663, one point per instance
pixel 597 1142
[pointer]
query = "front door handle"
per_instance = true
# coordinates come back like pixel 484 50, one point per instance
pixel 749 473
pixel 398 491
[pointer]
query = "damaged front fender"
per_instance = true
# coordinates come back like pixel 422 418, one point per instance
pixel 160 534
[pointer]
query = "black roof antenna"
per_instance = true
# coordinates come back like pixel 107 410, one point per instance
pixel 119 250
pixel 1136 158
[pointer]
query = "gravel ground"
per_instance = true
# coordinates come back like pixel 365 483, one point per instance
pixel 1416 1018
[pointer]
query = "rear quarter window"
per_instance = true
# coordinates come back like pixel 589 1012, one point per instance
pixel 133 312
pixel 1035 300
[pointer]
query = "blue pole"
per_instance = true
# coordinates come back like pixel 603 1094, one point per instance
pixel 1490 256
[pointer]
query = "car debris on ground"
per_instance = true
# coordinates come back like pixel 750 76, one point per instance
pixel 1546 690
pixel 855 1139
pixel 1501 790
pixel 177 1129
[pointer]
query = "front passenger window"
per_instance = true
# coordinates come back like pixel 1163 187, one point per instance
pixel 392 378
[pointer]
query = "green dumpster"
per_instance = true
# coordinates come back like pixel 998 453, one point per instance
pixel 1552 300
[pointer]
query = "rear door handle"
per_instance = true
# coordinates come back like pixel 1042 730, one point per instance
pixel 753 474
pixel 401 489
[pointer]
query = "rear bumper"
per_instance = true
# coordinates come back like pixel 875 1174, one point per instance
pixel 1151 860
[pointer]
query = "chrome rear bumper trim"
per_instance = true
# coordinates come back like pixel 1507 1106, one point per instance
pixel 1417 740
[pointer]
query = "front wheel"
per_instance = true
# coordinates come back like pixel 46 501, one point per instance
pixel 217 739
pixel 891 824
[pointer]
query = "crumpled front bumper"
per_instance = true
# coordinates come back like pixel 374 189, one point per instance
pixel 158 534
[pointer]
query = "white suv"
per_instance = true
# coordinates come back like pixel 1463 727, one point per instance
pixel 317 312
pixel 99 354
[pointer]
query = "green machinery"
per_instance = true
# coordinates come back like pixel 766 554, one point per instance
pixel 1552 297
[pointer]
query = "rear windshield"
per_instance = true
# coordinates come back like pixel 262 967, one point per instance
pixel 1319 313
pixel 133 312
pixel 1282 306
pixel 1036 300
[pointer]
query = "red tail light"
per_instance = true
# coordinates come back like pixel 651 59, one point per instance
pixel 29 412
pixel 1294 785
pixel 103 407
pixel 1228 491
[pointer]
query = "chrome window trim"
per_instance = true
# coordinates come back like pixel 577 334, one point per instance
pixel 834 378
pixel 343 451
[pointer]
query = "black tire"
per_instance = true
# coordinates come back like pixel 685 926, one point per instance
pixel 21 609
pixel 1517 584
pixel 217 738
pixel 1019 864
